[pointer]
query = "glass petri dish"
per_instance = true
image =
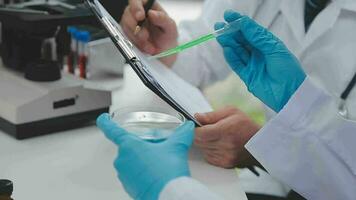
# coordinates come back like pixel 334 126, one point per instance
pixel 153 124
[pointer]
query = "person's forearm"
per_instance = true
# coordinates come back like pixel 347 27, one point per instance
pixel 186 188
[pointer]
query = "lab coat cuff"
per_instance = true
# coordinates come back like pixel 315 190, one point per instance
pixel 292 117
pixel 186 188
pixel 307 96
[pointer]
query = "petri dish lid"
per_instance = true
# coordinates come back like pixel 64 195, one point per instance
pixel 149 123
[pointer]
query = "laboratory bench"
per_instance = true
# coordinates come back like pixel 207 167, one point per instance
pixel 78 164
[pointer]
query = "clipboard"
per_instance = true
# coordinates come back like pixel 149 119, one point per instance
pixel 134 59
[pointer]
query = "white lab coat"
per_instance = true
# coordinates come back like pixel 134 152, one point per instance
pixel 326 52
pixel 308 146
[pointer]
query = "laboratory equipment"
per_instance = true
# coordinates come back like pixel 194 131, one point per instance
pixel 31 108
pixel 83 53
pixel 35 97
pixel 36 30
pixel 72 55
pixel 43 71
pixel 6 189
pixel 107 58
pixel 227 29
pixel 149 123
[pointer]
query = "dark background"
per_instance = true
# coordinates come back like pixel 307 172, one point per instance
pixel 115 7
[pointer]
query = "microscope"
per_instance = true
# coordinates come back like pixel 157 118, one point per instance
pixel 36 97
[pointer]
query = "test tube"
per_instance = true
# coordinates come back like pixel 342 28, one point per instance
pixel 72 57
pixel 83 51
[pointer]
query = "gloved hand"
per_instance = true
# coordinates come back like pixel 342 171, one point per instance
pixel 144 168
pixel 270 71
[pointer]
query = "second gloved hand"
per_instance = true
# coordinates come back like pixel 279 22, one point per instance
pixel 270 71
pixel 144 168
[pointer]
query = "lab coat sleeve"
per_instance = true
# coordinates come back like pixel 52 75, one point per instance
pixel 309 146
pixel 186 188
pixel 205 64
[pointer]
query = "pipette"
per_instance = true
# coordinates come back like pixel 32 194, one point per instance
pixel 227 29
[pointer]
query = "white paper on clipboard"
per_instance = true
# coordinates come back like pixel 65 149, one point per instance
pixel 186 95
pixel 179 92
pixel 222 181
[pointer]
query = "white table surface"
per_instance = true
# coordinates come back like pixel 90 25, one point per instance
pixel 78 164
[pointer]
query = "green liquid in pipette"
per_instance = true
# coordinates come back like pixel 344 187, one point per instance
pixel 184 46
pixel 229 28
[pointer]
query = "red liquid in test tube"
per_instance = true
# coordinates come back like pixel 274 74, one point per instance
pixel 72 57
pixel 84 38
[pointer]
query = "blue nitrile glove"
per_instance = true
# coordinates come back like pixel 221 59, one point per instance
pixel 270 71
pixel 144 168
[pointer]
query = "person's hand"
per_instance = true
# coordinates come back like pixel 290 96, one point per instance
pixel 270 71
pixel 223 136
pixel 158 33
pixel 144 168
